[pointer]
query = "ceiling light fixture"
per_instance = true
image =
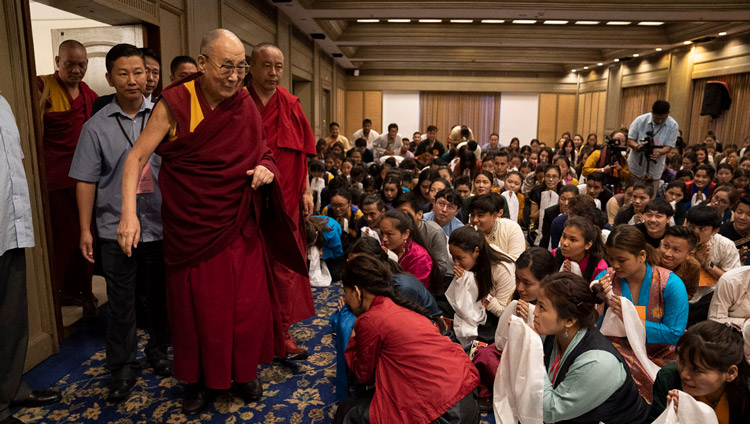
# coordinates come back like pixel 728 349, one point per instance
pixel 573 70
pixel 367 21
pixel 687 42
pixel 658 49
pixel 461 21
pixel 650 23
pixel 635 55
pixel 399 21
pixel 619 23
pixel 430 21
pixel 599 64
pixel 587 22
pixel 492 21
pixel 723 33
pixel 616 60
pixel 585 67
pixel 553 22
pixel 524 21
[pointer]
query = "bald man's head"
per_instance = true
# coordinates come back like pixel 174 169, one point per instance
pixel 222 61
pixel 72 62
pixel 266 67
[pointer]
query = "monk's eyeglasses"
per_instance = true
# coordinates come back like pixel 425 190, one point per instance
pixel 226 70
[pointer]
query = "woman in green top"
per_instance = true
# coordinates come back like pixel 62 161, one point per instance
pixel 711 368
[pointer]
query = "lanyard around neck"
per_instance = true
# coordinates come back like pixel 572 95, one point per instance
pixel 127 137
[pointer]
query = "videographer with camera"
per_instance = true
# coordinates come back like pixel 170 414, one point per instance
pixel 610 161
pixel 651 137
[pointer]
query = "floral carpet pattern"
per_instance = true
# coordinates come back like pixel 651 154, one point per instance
pixel 293 392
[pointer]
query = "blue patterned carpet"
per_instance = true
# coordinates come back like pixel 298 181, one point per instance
pixel 300 392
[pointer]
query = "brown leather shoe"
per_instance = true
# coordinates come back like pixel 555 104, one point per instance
pixel 38 398
pixel 251 391
pixel 196 399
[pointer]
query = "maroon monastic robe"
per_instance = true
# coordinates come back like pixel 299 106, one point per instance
pixel 214 246
pixel 291 139
pixel 63 120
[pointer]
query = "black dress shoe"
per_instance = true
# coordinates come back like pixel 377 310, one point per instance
pixel 162 367
pixel 38 398
pixel 196 399
pixel 11 420
pixel 119 390
pixel 250 392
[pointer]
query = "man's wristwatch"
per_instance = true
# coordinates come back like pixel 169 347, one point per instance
pixel 710 266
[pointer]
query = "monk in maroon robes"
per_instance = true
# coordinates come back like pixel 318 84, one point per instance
pixel 66 102
pixel 292 141
pixel 219 196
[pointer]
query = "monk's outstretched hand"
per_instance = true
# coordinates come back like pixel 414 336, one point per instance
pixel 128 233
pixel 261 176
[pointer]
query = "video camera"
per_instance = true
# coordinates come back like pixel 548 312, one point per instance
pixel 647 147
pixel 614 152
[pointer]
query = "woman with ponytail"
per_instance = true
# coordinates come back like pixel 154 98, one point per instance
pixel 659 296
pixel 401 237
pixel 419 376
pixel 587 379
pixel 711 367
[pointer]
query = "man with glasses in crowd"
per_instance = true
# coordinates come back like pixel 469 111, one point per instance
pixel 447 204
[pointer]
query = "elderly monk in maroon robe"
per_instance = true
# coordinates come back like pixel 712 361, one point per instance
pixel 66 102
pixel 219 196
pixel 291 139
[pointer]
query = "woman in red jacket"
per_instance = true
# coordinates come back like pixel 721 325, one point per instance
pixel 416 375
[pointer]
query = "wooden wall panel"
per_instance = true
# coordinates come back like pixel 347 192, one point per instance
pixel 548 113
pixel 602 107
pixel 250 24
pixel 339 113
pixel 373 109
pixel 566 112
pixel 579 114
pixel 302 59
pixel 355 111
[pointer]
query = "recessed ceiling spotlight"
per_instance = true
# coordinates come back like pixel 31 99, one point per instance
pixel 492 21
pixel 687 42
pixel 723 33
pixel 430 21
pixel 619 23
pixel 573 70
pixel 399 21
pixel 367 21
pixel 658 49
pixel 599 64
pixel 524 21
pixel 635 55
pixel 650 23
pixel 616 60
pixel 585 67
pixel 461 21
pixel 587 22
pixel 552 22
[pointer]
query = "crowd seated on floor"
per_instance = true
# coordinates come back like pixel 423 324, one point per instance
pixel 575 282
pixel 633 284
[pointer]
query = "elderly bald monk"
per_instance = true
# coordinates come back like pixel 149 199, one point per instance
pixel 219 194
pixel 66 102
pixel 292 141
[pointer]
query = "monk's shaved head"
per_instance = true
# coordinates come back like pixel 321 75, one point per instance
pixel 72 62
pixel 68 45
pixel 260 47
pixel 218 35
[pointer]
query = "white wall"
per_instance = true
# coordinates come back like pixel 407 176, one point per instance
pixel 519 115
pixel 43 20
pixel 401 107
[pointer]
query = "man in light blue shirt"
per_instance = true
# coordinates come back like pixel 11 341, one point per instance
pixel 105 141
pixel 16 234
pixel 447 204
pixel 663 129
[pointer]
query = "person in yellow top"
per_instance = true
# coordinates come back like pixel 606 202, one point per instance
pixel 335 136
pixel 618 172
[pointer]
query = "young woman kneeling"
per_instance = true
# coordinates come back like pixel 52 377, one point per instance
pixel 418 375
pixel 587 379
